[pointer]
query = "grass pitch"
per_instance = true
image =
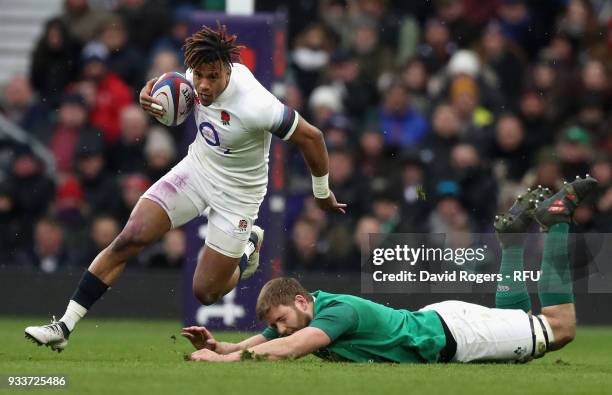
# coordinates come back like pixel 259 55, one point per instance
pixel 140 357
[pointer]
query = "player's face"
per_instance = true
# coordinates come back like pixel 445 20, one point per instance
pixel 289 319
pixel 210 80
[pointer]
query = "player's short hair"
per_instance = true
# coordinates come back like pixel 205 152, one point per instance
pixel 279 291
pixel 210 45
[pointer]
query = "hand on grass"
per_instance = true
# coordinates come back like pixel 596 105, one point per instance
pixel 200 337
pixel 206 355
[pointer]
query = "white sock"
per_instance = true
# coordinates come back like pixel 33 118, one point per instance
pixel 250 248
pixel 74 312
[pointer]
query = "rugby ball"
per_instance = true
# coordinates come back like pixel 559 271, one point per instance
pixel 176 96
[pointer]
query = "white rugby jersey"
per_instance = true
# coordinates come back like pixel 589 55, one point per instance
pixel 234 134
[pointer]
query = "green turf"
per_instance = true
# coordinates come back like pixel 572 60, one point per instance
pixel 110 357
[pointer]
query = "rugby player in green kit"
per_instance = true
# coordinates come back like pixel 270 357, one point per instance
pixel 348 328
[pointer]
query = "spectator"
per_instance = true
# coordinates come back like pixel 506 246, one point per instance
pixel 179 31
pixel 505 60
pixel 54 62
pixel 324 102
pixel 31 187
pixel 475 181
pixel 604 216
pixel 123 60
pixel 414 77
pixel 346 183
pixel 385 21
pixel 547 171
pixel 132 188
pixel 453 14
pixel 374 160
pixel 112 94
pixel 303 252
pixel 48 253
pixel 356 94
pixel 101 189
pixel 517 24
pixel 71 211
pixel 338 132
pixel 545 80
pixel 160 153
pixel 476 79
pixel 170 254
pixel 10 223
pixel 415 205
pixel 163 62
pixel 104 229
pixel 401 124
pixel 510 155
pixel 366 237
pixel 602 171
pixel 465 100
pixel 579 22
pixel 146 20
pixel 575 152
pixel 71 127
pixel 374 57
pixel 595 81
pixel 21 106
pixel 84 22
pixel 449 217
pixel 310 56
pixel 436 148
pixel 538 128
pixel 437 47
pixel 591 115
pixel 386 209
pixel 127 155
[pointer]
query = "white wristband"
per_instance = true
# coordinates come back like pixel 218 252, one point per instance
pixel 320 187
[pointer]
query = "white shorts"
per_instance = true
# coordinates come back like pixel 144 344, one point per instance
pixel 486 334
pixel 185 194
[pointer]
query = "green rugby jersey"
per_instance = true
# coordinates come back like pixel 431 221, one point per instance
pixel 361 330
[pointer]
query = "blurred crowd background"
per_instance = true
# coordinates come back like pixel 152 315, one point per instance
pixel 436 114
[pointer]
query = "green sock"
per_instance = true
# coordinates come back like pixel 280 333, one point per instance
pixel 512 294
pixel 555 285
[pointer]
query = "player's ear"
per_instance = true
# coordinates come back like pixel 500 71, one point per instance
pixel 301 301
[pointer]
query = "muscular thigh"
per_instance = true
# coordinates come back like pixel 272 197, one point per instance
pixel 177 193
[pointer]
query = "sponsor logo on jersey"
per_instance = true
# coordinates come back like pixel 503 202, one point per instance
pixel 225 117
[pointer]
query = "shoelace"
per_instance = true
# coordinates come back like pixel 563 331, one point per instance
pixel 54 326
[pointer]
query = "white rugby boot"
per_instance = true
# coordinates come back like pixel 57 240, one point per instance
pixel 51 335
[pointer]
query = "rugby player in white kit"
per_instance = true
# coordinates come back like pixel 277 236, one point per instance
pixel 224 172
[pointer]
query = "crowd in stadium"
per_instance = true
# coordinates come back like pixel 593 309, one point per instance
pixel 436 114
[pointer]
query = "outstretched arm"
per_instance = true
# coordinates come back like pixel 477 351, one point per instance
pixel 302 342
pixel 311 143
pixel 201 338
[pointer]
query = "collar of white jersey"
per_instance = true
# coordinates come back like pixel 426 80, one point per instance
pixel 230 88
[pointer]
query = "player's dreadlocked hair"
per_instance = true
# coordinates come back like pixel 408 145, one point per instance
pixel 209 45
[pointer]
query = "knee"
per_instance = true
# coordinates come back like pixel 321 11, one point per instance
pixel 206 297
